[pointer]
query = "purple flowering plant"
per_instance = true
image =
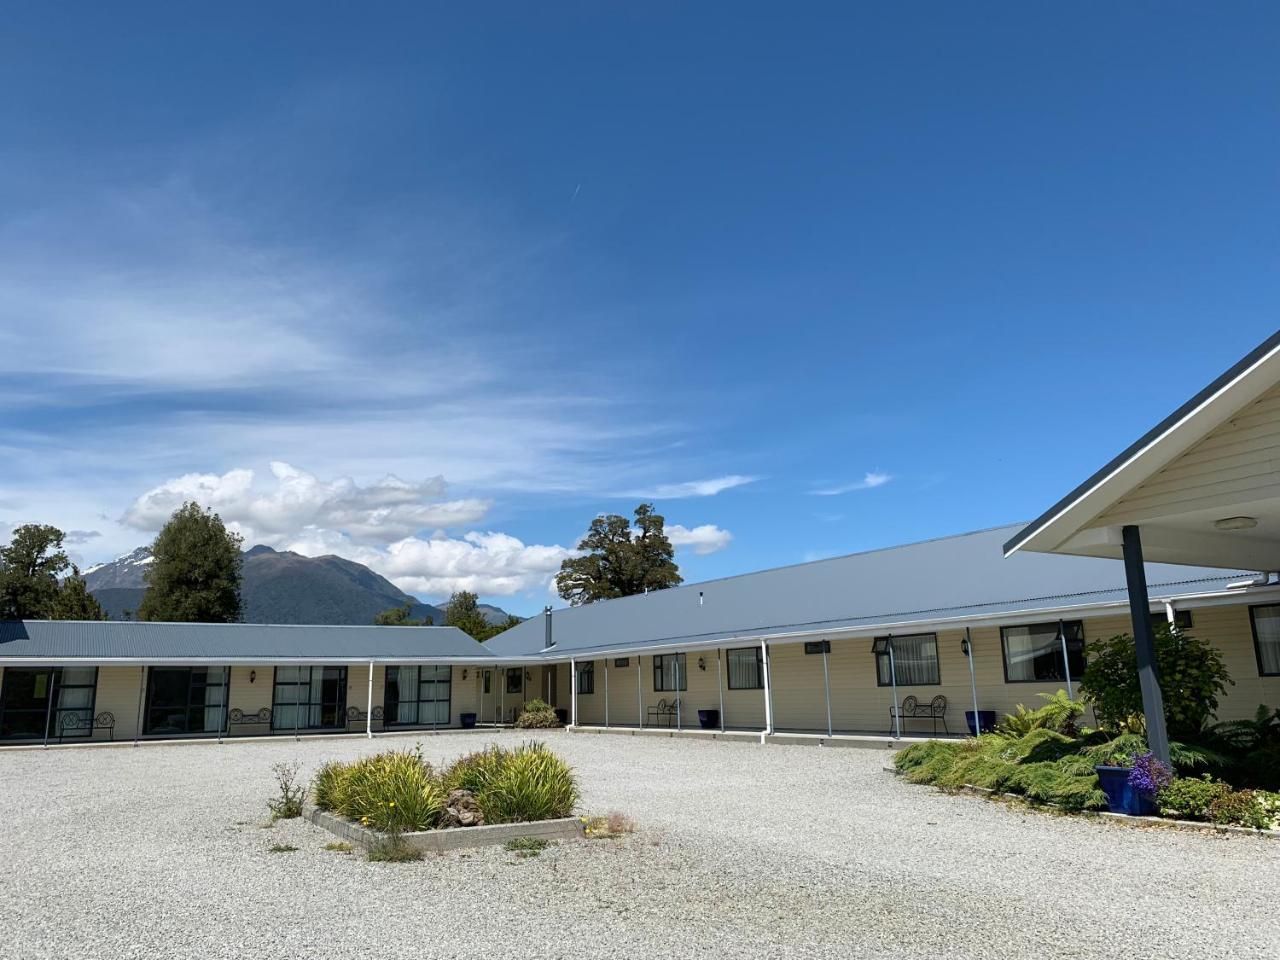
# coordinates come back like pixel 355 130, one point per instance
pixel 1149 776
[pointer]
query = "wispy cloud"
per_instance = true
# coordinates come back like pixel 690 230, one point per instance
pixel 691 488
pixel 703 539
pixel 870 481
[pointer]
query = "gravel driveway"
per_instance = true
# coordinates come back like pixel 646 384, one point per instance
pixel 740 851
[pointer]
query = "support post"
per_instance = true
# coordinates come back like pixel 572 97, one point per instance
pixel 720 689
pixel 502 693
pixel 142 696
pixel 48 705
pixel 368 707
pixel 826 683
pixel 226 704
pixel 679 694
pixel 573 692
pixel 768 692
pixel 897 707
pixel 973 681
pixel 1066 660
pixel 1144 643
pixel 639 693
pixel 606 693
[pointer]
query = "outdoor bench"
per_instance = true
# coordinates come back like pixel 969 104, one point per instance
pixel 356 715
pixel 75 721
pixel 238 718
pixel 663 712
pixel 913 709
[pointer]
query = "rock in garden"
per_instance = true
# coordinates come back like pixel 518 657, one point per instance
pixel 461 810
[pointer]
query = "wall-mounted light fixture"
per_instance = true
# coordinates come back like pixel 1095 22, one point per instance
pixel 702 663
pixel 528 675
pixel 964 645
pixel 464 673
pixel 253 675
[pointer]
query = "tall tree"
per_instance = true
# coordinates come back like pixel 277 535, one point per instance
pixel 194 576
pixel 32 585
pixel 401 616
pixel 463 612
pixel 620 559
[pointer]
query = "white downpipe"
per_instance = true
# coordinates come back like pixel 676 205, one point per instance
pixel 768 693
pixel 480 676
pixel 1066 661
pixel 368 707
pixel 679 698
pixel 720 690
pixel 573 692
pixel 502 694
pixel 897 707
pixel 973 683
pixel 639 692
pixel 826 683
pixel 1169 613
pixel 606 693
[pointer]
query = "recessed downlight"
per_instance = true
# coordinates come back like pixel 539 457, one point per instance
pixel 1235 523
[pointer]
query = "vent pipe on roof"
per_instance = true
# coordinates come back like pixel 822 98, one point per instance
pixel 699 598
pixel 546 620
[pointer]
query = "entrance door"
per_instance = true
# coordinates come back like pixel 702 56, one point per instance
pixel 309 698
pixel 27 695
pixel 185 700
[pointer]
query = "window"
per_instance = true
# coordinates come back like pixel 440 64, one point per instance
pixel 488 675
pixel 622 662
pixel 1033 653
pixel 746 668
pixel 587 678
pixel 1266 639
pixel 915 659
pixel 515 679
pixel 185 700
pixel 817 646
pixel 309 698
pixel 669 673
pixel 1182 619
pixel 25 706
pixel 417 696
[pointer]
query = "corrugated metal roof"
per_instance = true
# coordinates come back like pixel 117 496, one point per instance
pixel 917 583
pixel 136 640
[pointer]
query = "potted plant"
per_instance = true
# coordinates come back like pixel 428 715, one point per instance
pixel 468 720
pixel 1131 789
pixel 708 719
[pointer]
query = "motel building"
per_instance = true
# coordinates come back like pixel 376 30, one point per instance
pixel 882 646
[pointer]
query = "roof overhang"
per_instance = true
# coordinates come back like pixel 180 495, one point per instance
pixel 1183 532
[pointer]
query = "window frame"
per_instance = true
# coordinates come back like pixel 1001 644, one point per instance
pixel 759 660
pixel 681 673
pixel 339 704
pixel 390 716
pixel 519 672
pixel 587 678
pixel 1257 647
pixel 816 647
pixel 191 706
pixel 884 655
pixel 1066 624
pixel 621 663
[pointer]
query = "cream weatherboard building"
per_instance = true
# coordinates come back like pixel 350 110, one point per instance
pixel 1183 525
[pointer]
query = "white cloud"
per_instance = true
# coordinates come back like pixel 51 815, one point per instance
pixel 485 563
pixel 691 488
pixel 704 539
pixel 80 536
pixel 301 504
pixel 870 481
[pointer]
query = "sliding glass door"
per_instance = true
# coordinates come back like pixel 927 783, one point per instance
pixel 309 698
pixel 35 703
pixel 185 700
pixel 418 696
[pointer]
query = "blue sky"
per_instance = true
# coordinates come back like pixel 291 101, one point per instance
pixel 816 278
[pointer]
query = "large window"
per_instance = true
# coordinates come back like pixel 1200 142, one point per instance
pixel 669 673
pixel 418 696
pixel 515 680
pixel 309 698
pixel 185 700
pixel 1033 653
pixel 26 707
pixel 587 677
pixel 1266 639
pixel 914 659
pixel 746 668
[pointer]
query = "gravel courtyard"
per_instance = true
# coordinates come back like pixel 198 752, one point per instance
pixel 740 851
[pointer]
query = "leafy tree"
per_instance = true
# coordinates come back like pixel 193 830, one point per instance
pixel 195 574
pixel 463 612
pixel 400 617
pixel 1192 675
pixel 31 583
pixel 620 559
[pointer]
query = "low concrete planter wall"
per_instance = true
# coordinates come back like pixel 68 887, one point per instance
pixel 454 838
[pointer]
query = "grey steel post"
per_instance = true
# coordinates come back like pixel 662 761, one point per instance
pixel 606 693
pixel 826 683
pixel 639 693
pixel 973 681
pixel 720 689
pixel 897 707
pixel 48 708
pixel 1066 661
pixel 226 703
pixel 1144 644
pixel 142 696
pixel 678 697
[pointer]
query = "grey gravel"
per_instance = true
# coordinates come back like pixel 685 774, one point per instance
pixel 741 850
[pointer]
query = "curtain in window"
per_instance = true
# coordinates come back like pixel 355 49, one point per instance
pixel 587 678
pixel 668 669
pixel 1266 627
pixel 75 698
pixel 914 657
pixel 215 693
pixel 286 713
pixel 745 669
pixel 1034 652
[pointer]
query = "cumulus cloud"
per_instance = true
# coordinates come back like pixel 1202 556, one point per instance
pixel 385 511
pixel 691 488
pixel 704 539
pixel 80 536
pixel 870 481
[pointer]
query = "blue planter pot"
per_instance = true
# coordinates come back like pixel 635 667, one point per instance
pixel 468 720
pixel 986 721
pixel 709 719
pixel 1122 797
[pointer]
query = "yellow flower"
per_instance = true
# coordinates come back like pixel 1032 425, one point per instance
pixel 392 803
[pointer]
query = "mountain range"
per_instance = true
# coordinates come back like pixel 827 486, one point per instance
pixel 280 586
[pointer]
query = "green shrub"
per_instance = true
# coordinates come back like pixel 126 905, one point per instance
pixel 537 715
pixel 1243 808
pixel 1190 797
pixel 393 791
pixel 1064 783
pixel 1060 713
pixel 288 804
pixel 326 788
pixel 532 784
pixel 475 771
pixel 1192 675
pixel 393 849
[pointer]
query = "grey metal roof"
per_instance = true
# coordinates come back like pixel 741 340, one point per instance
pixel 223 642
pixel 923 582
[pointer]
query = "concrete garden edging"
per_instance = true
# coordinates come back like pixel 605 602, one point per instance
pixel 450 838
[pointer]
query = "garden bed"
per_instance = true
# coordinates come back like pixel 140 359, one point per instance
pixel 447 838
